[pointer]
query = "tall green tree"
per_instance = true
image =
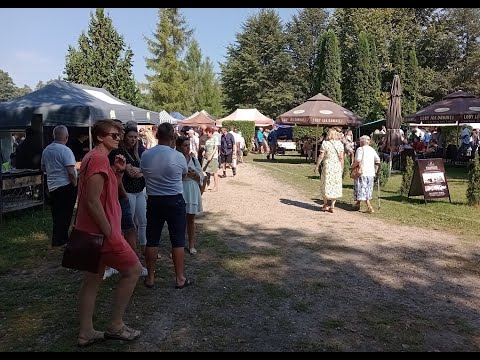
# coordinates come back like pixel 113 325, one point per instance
pixel 379 103
pixel 23 91
pixel 8 90
pixel 166 83
pixel 397 59
pixel 203 88
pixel 102 59
pixel 329 74
pixel 304 32
pixel 258 69
pixel 360 97
pixel 410 84
pixel 466 25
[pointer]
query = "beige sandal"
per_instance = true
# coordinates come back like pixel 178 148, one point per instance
pixel 370 210
pixel 125 333
pixel 98 336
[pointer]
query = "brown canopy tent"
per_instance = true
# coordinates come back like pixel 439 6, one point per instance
pixel 197 119
pixel 319 110
pixel 455 108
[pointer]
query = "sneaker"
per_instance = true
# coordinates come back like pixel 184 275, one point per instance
pixel 109 272
pixel 144 272
pixel 193 251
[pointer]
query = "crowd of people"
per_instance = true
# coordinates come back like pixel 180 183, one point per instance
pixel 126 188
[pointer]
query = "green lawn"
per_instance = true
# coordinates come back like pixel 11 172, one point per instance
pixel 456 217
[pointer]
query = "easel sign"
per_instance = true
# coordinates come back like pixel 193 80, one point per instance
pixel 429 180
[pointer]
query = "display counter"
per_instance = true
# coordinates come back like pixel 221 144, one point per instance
pixel 20 189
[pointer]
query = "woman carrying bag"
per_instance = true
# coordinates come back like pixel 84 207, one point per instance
pixel 368 163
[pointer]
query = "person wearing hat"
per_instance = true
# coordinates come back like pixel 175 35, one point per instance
pixel 367 158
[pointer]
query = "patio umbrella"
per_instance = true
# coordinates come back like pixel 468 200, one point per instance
pixel 319 110
pixel 456 108
pixel 394 117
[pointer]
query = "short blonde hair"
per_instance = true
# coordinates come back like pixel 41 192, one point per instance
pixel 332 134
pixel 365 139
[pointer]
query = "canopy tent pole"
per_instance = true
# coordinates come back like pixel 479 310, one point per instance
pixel 90 140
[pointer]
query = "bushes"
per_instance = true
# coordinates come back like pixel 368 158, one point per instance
pixel 246 127
pixel 346 166
pixel 299 132
pixel 384 173
pixel 473 189
pixel 407 176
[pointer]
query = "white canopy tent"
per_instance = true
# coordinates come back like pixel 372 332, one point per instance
pixel 247 115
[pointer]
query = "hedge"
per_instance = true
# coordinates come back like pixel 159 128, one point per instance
pixel 246 127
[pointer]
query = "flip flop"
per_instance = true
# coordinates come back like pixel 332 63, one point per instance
pixel 125 333
pixel 187 282
pixel 99 336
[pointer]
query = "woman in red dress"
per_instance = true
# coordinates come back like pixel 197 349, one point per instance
pixel 99 212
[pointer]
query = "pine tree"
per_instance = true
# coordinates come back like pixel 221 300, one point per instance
pixel 329 71
pixel 167 86
pixel 397 59
pixel 376 109
pixel 473 189
pixel 102 60
pixel 204 92
pixel 410 87
pixel 8 89
pixel 361 98
pixel 258 70
pixel 304 33
pixel 407 176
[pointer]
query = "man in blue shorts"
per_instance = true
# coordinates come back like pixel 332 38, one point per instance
pixel 164 169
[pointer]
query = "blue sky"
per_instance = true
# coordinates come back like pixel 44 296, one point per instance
pixel 34 42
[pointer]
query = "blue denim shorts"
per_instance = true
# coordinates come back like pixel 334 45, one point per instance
pixel 170 209
pixel 127 218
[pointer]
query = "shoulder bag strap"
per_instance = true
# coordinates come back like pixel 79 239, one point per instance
pixel 338 154
pixel 78 175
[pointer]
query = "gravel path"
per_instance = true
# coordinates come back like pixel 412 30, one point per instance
pixel 285 276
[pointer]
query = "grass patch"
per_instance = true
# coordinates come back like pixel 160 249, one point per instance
pixel 456 217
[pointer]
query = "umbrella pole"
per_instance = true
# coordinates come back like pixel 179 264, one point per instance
pixel 378 191
pixel 390 162
pixel 316 144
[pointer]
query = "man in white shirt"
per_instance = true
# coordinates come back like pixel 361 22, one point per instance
pixel 58 162
pixel 194 143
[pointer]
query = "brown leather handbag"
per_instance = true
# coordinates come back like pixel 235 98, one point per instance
pixel 83 249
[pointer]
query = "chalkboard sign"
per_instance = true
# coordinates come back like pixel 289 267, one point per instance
pixel 429 180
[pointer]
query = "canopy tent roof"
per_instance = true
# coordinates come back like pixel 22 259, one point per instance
pixel 166 117
pixel 197 119
pixel 319 110
pixel 247 115
pixel 64 103
pixel 457 107
pixel 177 115
pixel 201 112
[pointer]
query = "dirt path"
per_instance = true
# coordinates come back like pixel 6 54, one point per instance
pixel 273 273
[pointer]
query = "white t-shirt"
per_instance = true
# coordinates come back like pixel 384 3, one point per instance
pixel 368 156
pixel 55 158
